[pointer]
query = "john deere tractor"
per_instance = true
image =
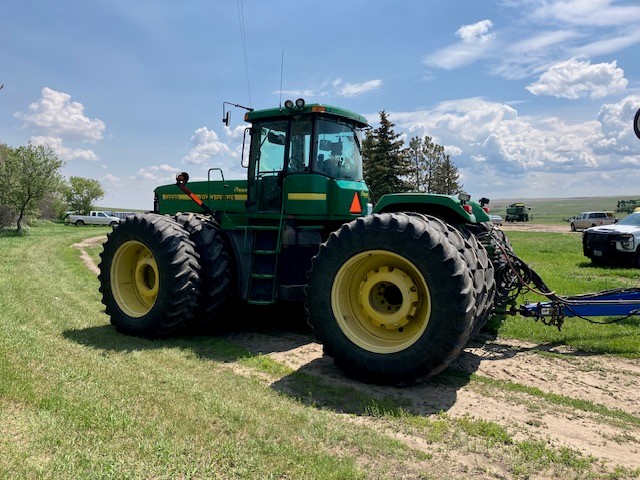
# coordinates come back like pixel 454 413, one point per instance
pixel 393 291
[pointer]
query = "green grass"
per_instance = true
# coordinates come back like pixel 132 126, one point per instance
pixel 79 400
pixel 558 260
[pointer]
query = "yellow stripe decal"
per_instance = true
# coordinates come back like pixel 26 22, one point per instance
pixel 213 196
pixel 307 196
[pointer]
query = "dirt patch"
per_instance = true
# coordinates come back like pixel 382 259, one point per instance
pixel 536 227
pixel 587 403
pixel 86 258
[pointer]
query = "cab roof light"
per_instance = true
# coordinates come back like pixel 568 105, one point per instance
pixel 318 108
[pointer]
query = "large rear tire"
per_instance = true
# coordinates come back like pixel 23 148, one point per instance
pixel 391 298
pixel 149 276
pixel 215 270
pixel 483 279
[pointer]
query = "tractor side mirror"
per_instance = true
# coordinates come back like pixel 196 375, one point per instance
pixel 325 145
pixel 636 124
pixel 275 138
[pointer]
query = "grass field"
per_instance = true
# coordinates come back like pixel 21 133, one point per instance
pixel 80 401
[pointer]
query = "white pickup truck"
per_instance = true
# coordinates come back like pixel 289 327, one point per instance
pixel 94 218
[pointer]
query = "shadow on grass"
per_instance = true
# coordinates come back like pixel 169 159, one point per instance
pixel 214 344
pixel 318 383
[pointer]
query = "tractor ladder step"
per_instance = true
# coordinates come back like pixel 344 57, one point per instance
pixel 263 278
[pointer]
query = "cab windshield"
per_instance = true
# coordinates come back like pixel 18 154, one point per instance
pixel 332 148
pixel 338 150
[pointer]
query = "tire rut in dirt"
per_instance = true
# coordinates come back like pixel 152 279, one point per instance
pixel 415 247
pixel 149 276
pixel 215 271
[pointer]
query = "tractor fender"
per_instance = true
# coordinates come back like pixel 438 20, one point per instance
pixel 448 207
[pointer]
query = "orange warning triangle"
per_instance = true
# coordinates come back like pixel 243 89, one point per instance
pixel 355 204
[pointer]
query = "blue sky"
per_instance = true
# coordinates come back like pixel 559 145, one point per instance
pixel 531 98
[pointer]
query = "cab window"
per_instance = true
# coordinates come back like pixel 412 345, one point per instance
pixel 272 137
pixel 338 150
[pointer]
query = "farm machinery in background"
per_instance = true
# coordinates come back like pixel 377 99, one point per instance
pixel 393 292
pixel 518 212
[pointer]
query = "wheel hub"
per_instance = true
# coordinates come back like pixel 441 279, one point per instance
pixel 135 278
pixel 389 297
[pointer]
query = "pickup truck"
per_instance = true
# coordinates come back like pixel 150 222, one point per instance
pixel 617 242
pixel 94 218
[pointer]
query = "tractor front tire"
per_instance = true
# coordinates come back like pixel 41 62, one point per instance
pixel 391 298
pixel 149 276
pixel 215 270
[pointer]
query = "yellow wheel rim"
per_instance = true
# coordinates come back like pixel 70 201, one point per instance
pixel 134 278
pixel 381 301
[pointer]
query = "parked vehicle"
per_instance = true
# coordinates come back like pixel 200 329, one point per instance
pixel 518 212
pixel 591 219
pixel 94 218
pixel 393 292
pixel 496 220
pixel 617 242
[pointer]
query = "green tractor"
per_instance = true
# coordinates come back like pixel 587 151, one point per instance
pixel 393 292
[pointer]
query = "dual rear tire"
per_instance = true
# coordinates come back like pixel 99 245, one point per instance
pixel 393 297
pixel 160 276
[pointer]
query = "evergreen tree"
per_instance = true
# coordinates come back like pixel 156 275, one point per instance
pixel 385 162
pixel 447 178
pixel 425 158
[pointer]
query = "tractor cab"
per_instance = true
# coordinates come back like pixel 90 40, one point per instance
pixel 289 145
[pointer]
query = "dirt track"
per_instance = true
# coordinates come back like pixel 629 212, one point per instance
pixel 536 227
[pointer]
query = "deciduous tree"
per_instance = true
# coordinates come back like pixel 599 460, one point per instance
pixel 28 173
pixel 81 193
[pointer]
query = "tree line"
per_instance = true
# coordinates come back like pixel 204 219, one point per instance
pixel 390 167
pixel 33 186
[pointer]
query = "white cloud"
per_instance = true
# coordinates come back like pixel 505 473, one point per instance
pixel 587 12
pixel 157 174
pixel 546 33
pixel 65 153
pixel 576 78
pixel 354 89
pixel 54 114
pixel 607 46
pixel 111 178
pixel 477 32
pixel 508 146
pixel 475 43
pixel 615 135
pixel 206 145
pixel 335 87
